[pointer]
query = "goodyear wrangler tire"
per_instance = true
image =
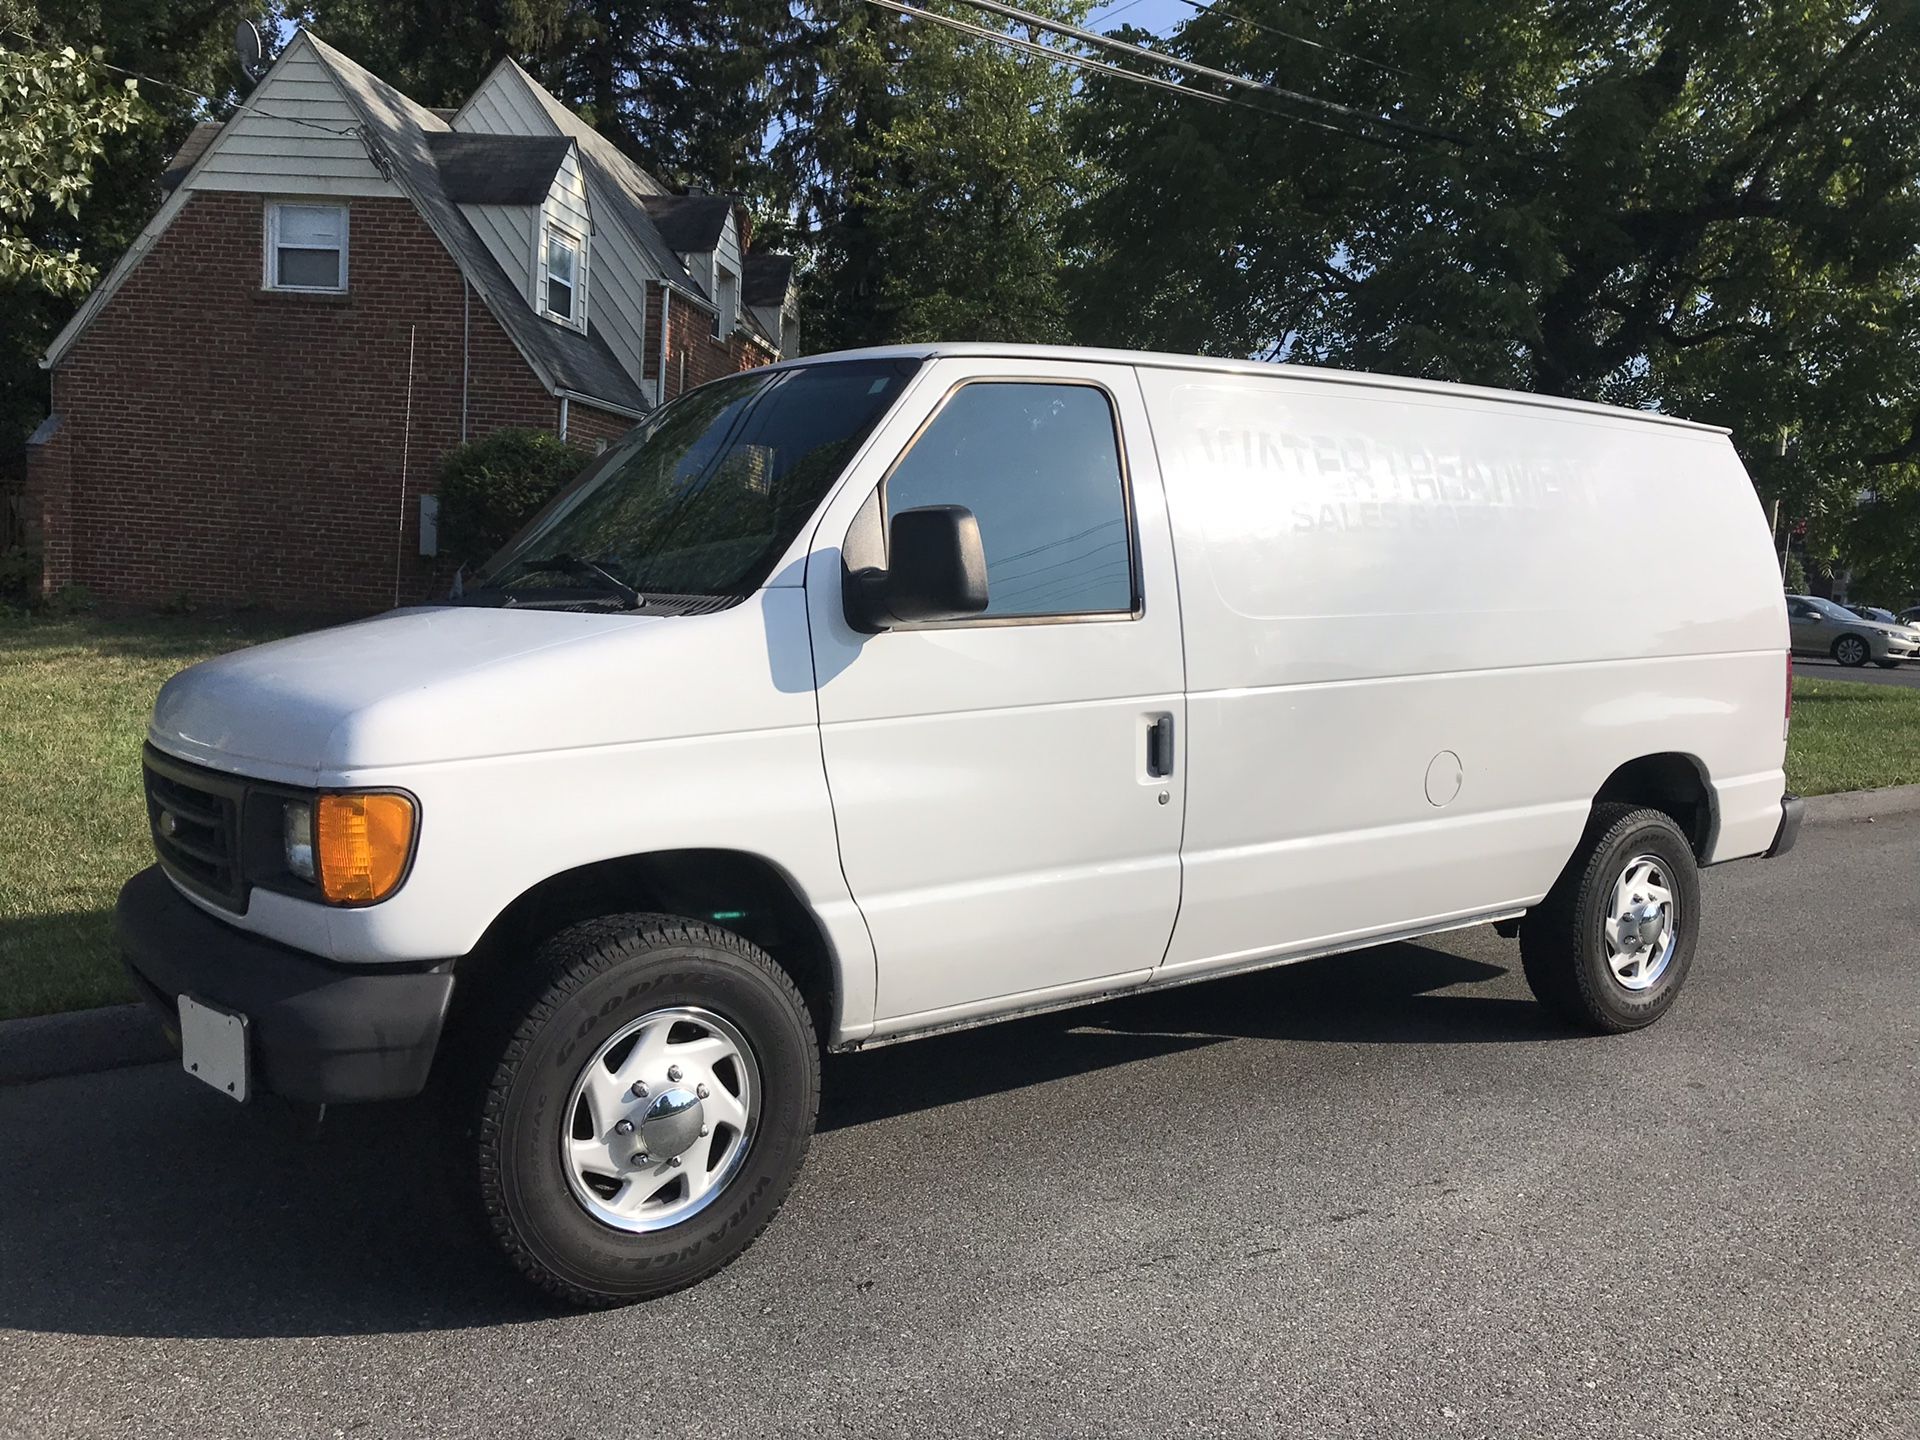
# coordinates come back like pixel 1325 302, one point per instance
pixel 649 1111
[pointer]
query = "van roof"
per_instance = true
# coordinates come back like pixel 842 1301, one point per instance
pixel 1154 359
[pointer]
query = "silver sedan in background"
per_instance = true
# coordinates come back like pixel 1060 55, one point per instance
pixel 1820 627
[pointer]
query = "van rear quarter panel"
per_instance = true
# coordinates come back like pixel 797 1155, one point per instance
pixel 1375 578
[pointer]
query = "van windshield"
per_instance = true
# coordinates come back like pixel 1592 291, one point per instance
pixel 704 497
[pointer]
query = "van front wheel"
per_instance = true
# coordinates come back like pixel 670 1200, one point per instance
pixel 1610 946
pixel 649 1112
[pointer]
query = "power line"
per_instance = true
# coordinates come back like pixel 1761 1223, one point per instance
pixel 1214 9
pixel 1120 72
pixel 1225 77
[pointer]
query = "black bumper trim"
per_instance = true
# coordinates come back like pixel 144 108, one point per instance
pixel 1792 809
pixel 321 1032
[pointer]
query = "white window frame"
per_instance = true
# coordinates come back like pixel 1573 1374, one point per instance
pixel 726 315
pixel 577 320
pixel 270 258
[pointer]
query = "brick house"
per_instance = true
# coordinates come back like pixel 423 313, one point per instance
pixel 340 286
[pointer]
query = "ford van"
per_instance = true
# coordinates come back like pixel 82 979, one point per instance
pixel 879 694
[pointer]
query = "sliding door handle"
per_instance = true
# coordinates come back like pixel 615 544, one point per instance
pixel 1160 747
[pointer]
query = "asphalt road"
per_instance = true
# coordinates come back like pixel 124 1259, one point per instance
pixel 1907 673
pixel 1382 1195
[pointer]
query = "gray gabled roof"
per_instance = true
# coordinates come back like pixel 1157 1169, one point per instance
pixel 625 186
pixel 690 224
pixel 497 169
pixel 194 146
pixel 565 359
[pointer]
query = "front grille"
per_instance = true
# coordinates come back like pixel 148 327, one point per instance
pixel 194 816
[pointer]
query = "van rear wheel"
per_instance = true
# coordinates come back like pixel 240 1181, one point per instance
pixel 1611 944
pixel 649 1112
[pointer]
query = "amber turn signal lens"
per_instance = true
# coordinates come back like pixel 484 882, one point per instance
pixel 362 843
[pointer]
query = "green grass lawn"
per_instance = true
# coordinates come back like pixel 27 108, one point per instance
pixel 1848 736
pixel 74 698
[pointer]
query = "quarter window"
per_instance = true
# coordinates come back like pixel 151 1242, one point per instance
pixel 306 247
pixel 1039 466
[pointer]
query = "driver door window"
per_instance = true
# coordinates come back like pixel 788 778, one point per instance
pixel 1039 467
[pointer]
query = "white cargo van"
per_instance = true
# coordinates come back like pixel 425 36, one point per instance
pixel 884 693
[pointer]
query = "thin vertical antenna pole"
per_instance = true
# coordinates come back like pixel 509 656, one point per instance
pixel 406 451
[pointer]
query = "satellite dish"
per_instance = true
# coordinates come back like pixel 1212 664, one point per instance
pixel 246 47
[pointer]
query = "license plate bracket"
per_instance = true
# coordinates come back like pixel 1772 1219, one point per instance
pixel 213 1046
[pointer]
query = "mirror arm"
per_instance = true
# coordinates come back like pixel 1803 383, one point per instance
pixel 864 598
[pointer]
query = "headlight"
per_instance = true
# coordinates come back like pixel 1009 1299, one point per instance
pixel 362 845
pixel 296 833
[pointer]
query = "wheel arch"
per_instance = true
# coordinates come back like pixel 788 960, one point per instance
pixel 736 889
pixel 1677 785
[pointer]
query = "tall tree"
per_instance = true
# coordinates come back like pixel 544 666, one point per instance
pixel 926 172
pixel 1708 207
pixel 182 50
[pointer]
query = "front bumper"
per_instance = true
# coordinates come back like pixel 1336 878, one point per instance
pixel 320 1032
pixel 1792 809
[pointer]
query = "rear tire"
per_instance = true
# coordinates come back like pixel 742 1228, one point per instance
pixel 1851 651
pixel 643 993
pixel 1610 945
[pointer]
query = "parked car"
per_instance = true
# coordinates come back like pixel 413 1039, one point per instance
pixel 885 694
pixel 1875 614
pixel 1822 627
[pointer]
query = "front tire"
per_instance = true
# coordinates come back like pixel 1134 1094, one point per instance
pixel 1611 944
pixel 1888 664
pixel 604 1186
pixel 1851 651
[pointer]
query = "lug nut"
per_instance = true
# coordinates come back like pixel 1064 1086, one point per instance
pixel 706 1129
pixel 640 1157
pixel 673 1072
pixel 702 1091
pixel 674 1163
pixel 639 1089
pixel 625 1127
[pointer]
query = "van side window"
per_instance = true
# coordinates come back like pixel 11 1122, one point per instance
pixel 1039 466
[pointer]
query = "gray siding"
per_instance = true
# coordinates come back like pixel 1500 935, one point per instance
pixel 282 151
pixel 507 231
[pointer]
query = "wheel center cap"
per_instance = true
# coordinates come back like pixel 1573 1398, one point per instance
pixel 1645 923
pixel 672 1123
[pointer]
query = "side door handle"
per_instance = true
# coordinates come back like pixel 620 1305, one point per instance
pixel 1160 747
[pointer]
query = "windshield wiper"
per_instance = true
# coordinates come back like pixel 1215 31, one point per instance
pixel 587 569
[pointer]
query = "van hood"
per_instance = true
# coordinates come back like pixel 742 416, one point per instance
pixel 428 684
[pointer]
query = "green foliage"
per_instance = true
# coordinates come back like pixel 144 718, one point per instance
pixel 19 575
pixel 931 173
pixel 1794 578
pixel 490 487
pixel 58 110
pixel 1709 209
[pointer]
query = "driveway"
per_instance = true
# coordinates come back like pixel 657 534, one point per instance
pixel 1376 1195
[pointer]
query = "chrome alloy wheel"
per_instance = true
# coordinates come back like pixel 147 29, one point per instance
pixel 1642 926
pixel 660 1119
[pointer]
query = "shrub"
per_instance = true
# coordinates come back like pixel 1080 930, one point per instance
pixel 490 487
pixel 19 575
pixel 70 600
pixel 1795 577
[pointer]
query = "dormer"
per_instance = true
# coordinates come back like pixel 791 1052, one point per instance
pixel 772 298
pixel 705 232
pixel 526 198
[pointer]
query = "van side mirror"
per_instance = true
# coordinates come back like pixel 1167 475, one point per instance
pixel 936 570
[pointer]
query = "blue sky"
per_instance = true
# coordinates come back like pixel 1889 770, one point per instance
pixel 1159 16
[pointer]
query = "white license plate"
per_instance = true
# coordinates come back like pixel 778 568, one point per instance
pixel 213 1046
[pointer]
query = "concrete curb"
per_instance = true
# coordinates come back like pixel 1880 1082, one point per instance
pixel 80 1042
pixel 1862 804
pixel 116 1036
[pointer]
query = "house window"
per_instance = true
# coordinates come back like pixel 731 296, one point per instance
pixel 306 247
pixel 726 301
pixel 560 260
